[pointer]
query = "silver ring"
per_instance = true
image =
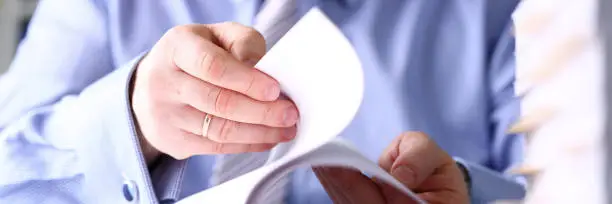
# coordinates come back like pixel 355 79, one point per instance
pixel 206 125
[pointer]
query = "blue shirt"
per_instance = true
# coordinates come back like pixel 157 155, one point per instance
pixel 443 67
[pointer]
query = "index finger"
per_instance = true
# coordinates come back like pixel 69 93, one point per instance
pixel 197 55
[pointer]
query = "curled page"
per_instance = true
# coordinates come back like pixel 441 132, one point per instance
pixel 319 70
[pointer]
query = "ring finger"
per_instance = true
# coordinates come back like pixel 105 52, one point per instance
pixel 223 130
pixel 190 144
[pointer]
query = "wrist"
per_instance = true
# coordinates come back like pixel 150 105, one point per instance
pixel 149 152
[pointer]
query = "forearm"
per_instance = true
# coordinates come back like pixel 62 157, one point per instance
pixel 66 131
pixel 80 148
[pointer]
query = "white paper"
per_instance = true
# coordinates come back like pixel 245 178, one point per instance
pixel 319 70
pixel 341 153
pixel 337 152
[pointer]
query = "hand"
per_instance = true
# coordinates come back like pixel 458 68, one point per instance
pixel 195 70
pixel 413 159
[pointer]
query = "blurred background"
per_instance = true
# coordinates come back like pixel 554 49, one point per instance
pixel 14 18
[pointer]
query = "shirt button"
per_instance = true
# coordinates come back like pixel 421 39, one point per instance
pixel 130 190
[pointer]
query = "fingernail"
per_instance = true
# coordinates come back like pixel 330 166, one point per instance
pixel 272 92
pixel 291 116
pixel 404 175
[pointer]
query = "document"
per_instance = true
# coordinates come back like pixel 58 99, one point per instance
pixel 319 70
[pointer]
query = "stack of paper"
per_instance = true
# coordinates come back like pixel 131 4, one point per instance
pixel 560 77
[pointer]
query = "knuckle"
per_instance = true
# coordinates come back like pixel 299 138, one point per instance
pixel 211 96
pixel 226 130
pixel 193 93
pixel 251 82
pixel 218 147
pixel 223 102
pixel 212 64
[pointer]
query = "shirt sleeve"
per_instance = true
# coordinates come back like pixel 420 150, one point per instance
pixel 66 130
pixel 490 182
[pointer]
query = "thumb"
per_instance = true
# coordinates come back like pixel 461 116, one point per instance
pixel 412 158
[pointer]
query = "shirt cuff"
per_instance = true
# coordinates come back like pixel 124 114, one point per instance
pixel 168 177
pixel 488 186
pixel 110 152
